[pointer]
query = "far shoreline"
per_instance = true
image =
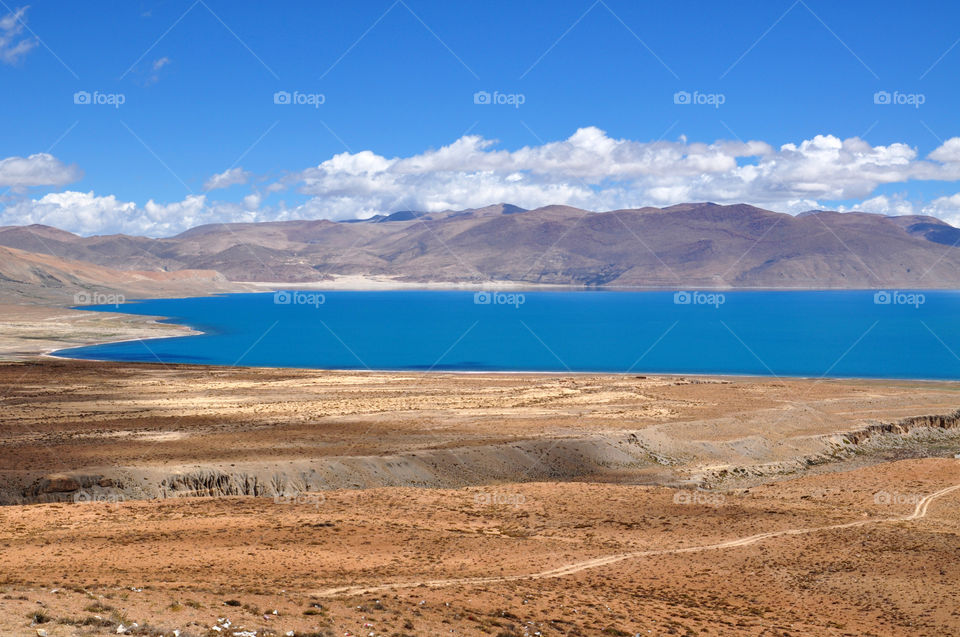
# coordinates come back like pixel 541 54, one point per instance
pixel 363 283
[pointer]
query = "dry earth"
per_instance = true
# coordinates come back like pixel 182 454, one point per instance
pixel 195 564
pixel 72 428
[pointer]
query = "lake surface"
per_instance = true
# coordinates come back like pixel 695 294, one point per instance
pixel 820 333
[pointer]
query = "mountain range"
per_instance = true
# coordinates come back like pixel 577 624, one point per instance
pixel 690 245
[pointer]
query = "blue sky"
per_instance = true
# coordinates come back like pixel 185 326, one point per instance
pixel 398 81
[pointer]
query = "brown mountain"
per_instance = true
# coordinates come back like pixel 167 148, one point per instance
pixel 42 278
pixel 687 245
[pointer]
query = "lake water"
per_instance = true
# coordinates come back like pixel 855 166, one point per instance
pixel 890 334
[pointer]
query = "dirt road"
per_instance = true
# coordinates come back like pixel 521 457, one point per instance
pixel 569 569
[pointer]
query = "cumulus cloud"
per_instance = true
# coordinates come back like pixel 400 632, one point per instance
pixel 946 208
pixel 589 169
pixel 13 44
pixel 948 152
pixel 884 205
pixel 41 169
pixel 75 211
pixel 230 177
pixel 86 213
pixel 253 200
pixel 593 170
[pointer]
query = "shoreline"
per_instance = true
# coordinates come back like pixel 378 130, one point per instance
pixel 719 378
pixel 359 283
pixel 35 332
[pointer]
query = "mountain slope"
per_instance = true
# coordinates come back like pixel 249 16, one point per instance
pixel 45 278
pixel 687 245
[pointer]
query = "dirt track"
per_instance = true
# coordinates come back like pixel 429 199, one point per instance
pixel 569 569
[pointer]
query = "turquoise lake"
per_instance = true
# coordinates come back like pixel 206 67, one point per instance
pixel 885 334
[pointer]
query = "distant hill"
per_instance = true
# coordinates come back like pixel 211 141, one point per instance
pixel 41 278
pixel 687 245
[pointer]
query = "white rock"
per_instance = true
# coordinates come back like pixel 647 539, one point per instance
pixel 41 632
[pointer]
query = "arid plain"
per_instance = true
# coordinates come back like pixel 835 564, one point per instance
pixel 148 499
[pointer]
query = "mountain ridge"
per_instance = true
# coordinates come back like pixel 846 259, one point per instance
pixel 684 245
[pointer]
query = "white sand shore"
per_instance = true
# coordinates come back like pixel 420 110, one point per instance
pixel 361 282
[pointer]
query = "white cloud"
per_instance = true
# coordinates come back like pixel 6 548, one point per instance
pixel 948 152
pixel 87 214
pixel 589 169
pixel 227 178
pixel 253 201
pixel 152 76
pixel 13 44
pixel 884 205
pixel 593 170
pixel 946 208
pixel 78 212
pixel 41 169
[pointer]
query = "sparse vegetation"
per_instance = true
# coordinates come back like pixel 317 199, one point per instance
pixel 99 607
pixel 39 616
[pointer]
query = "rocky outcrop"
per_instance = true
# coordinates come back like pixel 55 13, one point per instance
pixel 212 483
pixel 73 487
pixel 642 457
pixel 918 432
pixel 904 427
